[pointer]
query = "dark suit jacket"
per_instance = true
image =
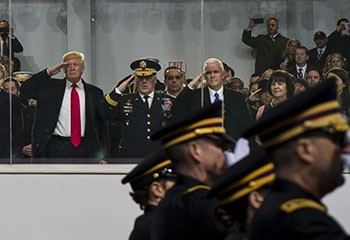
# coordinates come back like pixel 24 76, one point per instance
pixel 49 92
pixel 294 71
pixel 17 130
pixel 339 43
pixel 16 46
pixel 137 122
pixel 236 113
pixel 266 49
pixel 313 57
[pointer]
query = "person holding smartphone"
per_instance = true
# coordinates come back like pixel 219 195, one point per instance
pixel 339 39
pixel 6 35
pixel 268 46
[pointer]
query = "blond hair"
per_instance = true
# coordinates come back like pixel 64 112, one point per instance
pixel 74 54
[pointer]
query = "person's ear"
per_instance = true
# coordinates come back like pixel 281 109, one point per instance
pixel 157 189
pixel 305 150
pixel 195 150
pixel 255 199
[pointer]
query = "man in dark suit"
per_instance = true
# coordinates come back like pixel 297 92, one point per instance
pixel 7 35
pixel 235 110
pixel 268 46
pixel 318 55
pixel 339 39
pixel 69 121
pixel 301 66
pixel 6 134
pixel 141 113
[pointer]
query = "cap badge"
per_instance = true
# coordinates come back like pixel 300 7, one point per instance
pixel 143 64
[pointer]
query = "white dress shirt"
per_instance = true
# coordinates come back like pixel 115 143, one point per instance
pixel 212 92
pixel 63 124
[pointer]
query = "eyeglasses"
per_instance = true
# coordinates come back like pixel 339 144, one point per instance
pixel 171 78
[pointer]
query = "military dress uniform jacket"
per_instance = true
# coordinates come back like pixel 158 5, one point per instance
pixel 187 213
pixel 49 92
pixel 289 212
pixel 237 117
pixel 267 50
pixel 137 121
pixel 143 225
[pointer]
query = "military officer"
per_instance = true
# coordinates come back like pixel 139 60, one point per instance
pixel 241 190
pixel 149 180
pixel 196 144
pixel 304 137
pixel 140 114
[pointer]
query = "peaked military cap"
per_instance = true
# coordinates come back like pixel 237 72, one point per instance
pixel 249 174
pixel 206 121
pixel 315 108
pixel 145 67
pixel 154 166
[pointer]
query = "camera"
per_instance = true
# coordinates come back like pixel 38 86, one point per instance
pixel 4 29
pixel 258 20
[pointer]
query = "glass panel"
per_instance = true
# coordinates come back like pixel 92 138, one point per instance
pixel 113 34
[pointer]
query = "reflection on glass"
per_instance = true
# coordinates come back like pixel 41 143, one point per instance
pixel 113 34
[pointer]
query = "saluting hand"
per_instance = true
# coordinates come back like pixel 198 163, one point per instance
pixel 122 87
pixel 196 81
pixel 53 70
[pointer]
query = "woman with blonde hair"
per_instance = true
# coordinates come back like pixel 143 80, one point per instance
pixel 3 74
pixel 335 59
pixel 288 56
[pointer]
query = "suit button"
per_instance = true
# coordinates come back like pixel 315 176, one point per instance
pixel 148 123
pixel 148 115
pixel 148 137
pixel 148 130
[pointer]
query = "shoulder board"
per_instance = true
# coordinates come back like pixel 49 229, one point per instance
pixel 299 203
pixel 195 188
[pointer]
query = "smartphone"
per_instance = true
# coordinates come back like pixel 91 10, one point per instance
pixel 258 20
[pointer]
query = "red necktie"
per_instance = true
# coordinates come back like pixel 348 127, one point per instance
pixel 75 129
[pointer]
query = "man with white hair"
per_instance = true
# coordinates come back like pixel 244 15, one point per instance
pixel 235 111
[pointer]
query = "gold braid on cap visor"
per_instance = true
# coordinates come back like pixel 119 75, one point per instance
pixel 145 71
pixel 322 115
pixel 253 181
pixel 151 170
pixel 203 127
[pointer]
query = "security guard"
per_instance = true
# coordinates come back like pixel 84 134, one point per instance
pixel 140 114
pixel 149 180
pixel 304 137
pixel 241 190
pixel 196 145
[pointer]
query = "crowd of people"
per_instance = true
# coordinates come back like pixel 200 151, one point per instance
pixel 120 129
pixel 198 179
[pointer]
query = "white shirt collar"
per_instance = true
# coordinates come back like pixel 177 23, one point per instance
pixel 79 84
pixel 151 95
pixel 220 92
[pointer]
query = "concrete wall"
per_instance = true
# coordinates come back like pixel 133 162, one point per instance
pixel 87 205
